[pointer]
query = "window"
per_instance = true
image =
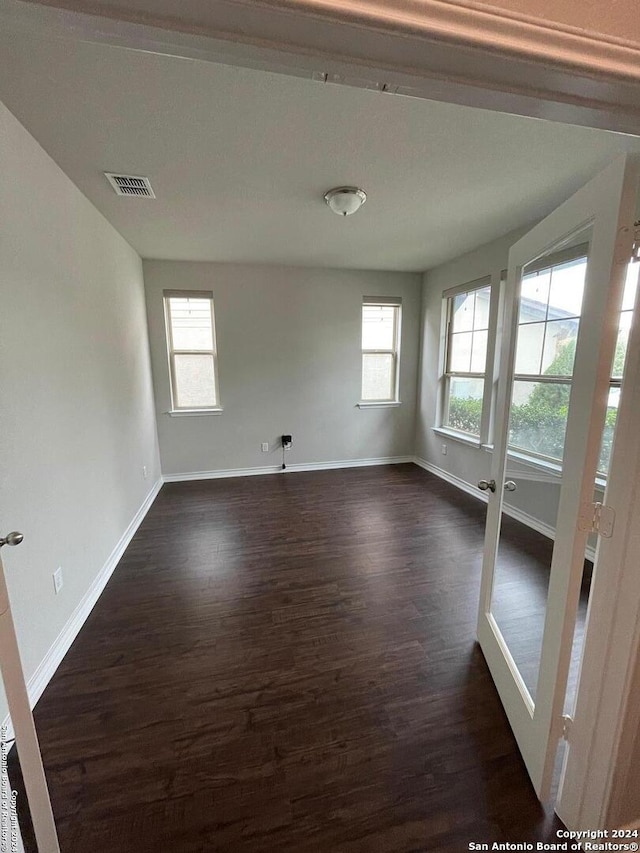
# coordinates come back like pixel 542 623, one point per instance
pixel 192 350
pixel 624 326
pixel 548 320
pixel 380 349
pixel 467 336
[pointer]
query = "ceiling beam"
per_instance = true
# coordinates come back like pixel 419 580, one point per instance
pixel 447 51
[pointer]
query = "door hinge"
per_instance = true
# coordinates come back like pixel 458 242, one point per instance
pixel 597 518
pixel 635 251
pixel 567 722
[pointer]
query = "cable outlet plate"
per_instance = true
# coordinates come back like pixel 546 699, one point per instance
pixel 58 580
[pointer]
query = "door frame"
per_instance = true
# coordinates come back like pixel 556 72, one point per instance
pixel 606 713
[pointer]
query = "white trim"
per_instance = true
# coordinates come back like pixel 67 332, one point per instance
pixel 481 25
pixel 464 23
pixel 380 404
pixel 224 473
pixel 511 511
pixel 460 52
pixel 552 469
pixel 529 521
pixel 468 287
pixel 451 478
pixel 61 645
pixel 194 413
pixel 470 440
pixel 394 301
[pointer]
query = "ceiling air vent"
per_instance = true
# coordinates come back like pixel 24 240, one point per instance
pixel 130 185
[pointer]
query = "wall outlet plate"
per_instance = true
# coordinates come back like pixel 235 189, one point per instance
pixel 444 449
pixel 265 446
pixel 58 580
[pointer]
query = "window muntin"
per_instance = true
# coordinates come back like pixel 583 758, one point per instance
pixel 192 350
pixel 380 351
pixel 467 316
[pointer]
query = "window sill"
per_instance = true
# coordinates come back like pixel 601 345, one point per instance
pixel 194 413
pixel 457 436
pixel 382 404
pixel 551 469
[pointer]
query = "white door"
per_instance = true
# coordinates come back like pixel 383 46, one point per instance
pixel 563 294
pixel 22 721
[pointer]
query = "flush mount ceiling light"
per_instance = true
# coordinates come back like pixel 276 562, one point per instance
pixel 345 200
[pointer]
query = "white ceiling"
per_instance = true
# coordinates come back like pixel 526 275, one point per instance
pixel 240 159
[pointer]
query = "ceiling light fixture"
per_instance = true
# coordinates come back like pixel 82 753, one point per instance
pixel 345 200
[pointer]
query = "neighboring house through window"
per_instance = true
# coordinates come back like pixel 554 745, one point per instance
pixel 380 349
pixel 191 343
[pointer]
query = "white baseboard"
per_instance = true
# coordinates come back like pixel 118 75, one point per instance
pixel 52 660
pixel 452 478
pixel 513 512
pixel 277 469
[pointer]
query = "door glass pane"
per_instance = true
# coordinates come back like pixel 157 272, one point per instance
pixel 548 313
pixel 534 296
pixel 539 418
pixel 377 376
pixel 560 347
pixel 195 381
pixel 530 344
pixel 567 287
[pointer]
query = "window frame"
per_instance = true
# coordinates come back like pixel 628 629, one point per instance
pixel 614 380
pixel 446 374
pixel 172 352
pixel 396 304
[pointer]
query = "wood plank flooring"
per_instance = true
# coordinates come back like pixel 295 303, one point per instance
pixel 287 663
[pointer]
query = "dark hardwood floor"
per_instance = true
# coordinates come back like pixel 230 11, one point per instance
pixel 287 663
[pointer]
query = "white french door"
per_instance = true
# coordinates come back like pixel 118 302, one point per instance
pixel 527 617
pixel 22 720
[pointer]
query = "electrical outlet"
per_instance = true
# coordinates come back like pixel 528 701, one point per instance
pixel 265 446
pixel 444 449
pixel 144 471
pixel 58 581
pixel 287 441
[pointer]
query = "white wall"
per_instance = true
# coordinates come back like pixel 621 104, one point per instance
pixel 77 417
pixel 289 362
